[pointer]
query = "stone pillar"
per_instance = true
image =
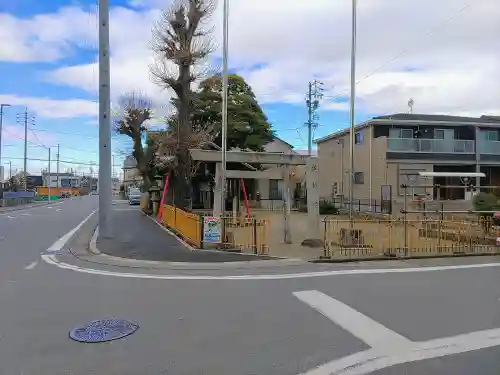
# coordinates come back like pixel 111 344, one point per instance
pixel 312 179
pixel 286 209
pixel 218 191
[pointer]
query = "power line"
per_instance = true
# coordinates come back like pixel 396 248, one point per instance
pixel 405 50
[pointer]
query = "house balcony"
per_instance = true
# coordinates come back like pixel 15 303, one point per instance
pixel 432 146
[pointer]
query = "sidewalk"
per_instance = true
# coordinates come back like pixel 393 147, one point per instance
pixel 21 206
pixel 136 236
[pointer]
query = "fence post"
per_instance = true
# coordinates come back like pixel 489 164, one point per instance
pixel 359 205
pixel 254 220
pixel 202 224
pixel 325 251
pixel 405 221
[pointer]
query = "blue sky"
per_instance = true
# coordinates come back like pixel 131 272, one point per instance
pixel 47 64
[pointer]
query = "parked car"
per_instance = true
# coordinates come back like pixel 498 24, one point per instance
pixel 134 196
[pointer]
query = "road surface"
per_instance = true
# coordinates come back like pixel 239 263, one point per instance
pixel 380 318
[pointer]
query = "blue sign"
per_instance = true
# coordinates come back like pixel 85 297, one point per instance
pixel 18 194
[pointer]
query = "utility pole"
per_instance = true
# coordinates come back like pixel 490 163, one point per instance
pixel 352 109
pixel 104 123
pixel 2 106
pixel 57 165
pixel 10 169
pixel 24 118
pixel 50 181
pixel 225 84
pixel 313 95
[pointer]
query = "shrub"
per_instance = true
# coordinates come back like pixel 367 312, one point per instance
pixel 327 208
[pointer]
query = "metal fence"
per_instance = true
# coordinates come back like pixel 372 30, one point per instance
pixel 399 238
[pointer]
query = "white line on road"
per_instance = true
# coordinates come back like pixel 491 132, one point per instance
pixel 374 359
pixel 53 260
pixel 388 347
pixel 59 210
pixel 31 265
pixel 364 328
pixel 58 245
pixel 12 217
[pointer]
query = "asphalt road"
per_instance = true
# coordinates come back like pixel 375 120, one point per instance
pixel 416 320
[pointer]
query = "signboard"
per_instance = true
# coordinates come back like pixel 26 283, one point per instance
pixel 211 229
pixel 18 194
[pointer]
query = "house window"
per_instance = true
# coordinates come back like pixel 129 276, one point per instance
pixel 492 135
pixel 358 138
pixel 275 191
pixel 359 178
pixel 411 178
pixel 438 134
pixel 400 133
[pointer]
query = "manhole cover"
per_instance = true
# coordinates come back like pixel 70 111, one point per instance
pixel 103 330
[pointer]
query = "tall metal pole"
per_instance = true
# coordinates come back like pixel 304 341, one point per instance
pixel 50 181
pixel 309 120
pixel 2 106
pixel 25 149
pixel 104 123
pixel 225 84
pixel 10 169
pixel 57 165
pixel 352 103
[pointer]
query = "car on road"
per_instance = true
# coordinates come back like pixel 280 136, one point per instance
pixel 134 196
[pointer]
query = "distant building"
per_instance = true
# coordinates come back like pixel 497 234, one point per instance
pixel 131 174
pixel 64 180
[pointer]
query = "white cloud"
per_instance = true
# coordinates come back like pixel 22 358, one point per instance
pixel 51 108
pixel 449 65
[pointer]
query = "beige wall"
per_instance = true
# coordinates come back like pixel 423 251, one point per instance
pixel 334 165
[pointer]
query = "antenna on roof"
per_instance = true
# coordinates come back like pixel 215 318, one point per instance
pixel 410 106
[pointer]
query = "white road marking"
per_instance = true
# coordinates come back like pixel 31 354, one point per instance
pixel 12 217
pixel 388 347
pixel 364 328
pixel 31 265
pixel 59 210
pixel 53 260
pixel 58 245
pixel 25 214
pixel 375 359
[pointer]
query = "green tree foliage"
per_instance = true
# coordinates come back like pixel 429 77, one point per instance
pixel 248 126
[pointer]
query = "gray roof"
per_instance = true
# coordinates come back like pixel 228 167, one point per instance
pixel 421 117
pixel 129 162
pixel 442 119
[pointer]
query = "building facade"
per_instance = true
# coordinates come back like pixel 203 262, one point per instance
pixel 392 150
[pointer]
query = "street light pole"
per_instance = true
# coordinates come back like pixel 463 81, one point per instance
pixel 104 123
pixel 225 84
pixel 352 103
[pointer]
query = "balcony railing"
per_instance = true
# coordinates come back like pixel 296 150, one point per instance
pixel 443 146
pixel 489 147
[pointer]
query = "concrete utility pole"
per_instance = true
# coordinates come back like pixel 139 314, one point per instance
pixel 225 84
pixel 2 106
pixel 352 109
pixel 10 169
pixel 50 181
pixel 23 118
pixel 312 102
pixel 104 123
pixel 57 166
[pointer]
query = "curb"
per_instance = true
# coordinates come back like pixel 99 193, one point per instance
pixel 93 242
pixel 443 256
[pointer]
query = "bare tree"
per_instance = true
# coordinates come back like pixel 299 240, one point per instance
pixel 179 39
pixel 135 111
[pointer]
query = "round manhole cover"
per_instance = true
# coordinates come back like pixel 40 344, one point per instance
pixel 103 330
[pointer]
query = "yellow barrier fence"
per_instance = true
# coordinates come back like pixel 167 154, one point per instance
pixel 186 224
pixel 372 238
pixel 249 235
